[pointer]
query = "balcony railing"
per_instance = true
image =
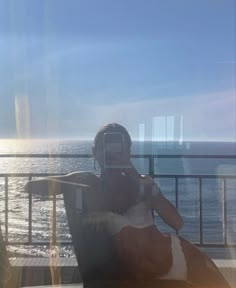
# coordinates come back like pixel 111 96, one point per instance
pixel 151 172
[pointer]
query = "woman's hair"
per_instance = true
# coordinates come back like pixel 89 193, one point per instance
pixel 111 128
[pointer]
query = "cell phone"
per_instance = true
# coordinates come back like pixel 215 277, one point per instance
pixel 114 149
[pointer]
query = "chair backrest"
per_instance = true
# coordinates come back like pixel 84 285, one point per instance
pixel 95 250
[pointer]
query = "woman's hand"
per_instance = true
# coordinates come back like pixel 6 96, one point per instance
pixel 38 187
pixel 150 192
pixel 167 211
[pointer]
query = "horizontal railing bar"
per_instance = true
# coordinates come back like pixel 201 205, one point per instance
pixel 197 156
pixel 194 176
pixel 46 155
pixel 205 245
pixel 41 243
pixel 29 174
pixel 155 175
pixel 186 156
pixel 69 243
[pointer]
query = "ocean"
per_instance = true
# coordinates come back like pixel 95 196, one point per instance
pixel 213 207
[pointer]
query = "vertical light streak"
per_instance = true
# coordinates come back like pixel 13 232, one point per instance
pixel 22 116
pixel 141 144
pixel 181 130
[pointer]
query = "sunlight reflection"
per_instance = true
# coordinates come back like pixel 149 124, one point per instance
pixel 22 113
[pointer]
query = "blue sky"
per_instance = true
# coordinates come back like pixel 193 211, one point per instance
pixel 68 67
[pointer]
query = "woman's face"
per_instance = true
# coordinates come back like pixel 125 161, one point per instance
pixel 110 154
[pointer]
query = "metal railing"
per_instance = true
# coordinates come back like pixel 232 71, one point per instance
pixel 151 172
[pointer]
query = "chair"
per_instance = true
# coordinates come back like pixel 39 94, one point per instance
pixel 95 250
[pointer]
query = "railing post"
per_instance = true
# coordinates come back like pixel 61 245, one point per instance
pixel 151 165
pixel 54 218
pixel 151 173
pixel 176 192
pixel 30 214
pixel 6 209
pixel 176 197
pixel 200 209
pixel 225 212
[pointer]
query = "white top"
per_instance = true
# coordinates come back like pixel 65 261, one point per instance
pixel 178 270
pixel 138 216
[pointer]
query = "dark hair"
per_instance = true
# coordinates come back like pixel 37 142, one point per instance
pixel 112 127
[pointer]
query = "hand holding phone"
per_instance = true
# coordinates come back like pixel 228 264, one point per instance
pixel 116 154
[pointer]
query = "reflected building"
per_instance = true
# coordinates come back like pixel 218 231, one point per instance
pixel 167 137
pixel 167 131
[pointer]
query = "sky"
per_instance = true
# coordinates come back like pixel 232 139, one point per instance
pixel 165 69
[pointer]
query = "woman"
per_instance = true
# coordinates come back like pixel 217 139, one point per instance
pixel 145 252
pixel 120 201
pixel 117 188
